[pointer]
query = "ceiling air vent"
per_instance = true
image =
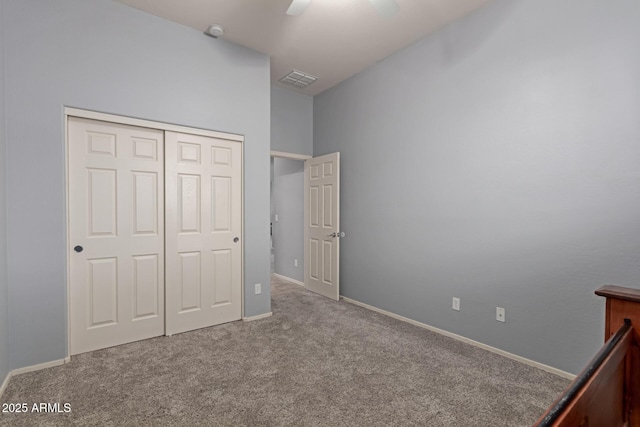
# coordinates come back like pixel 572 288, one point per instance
pixel 298 79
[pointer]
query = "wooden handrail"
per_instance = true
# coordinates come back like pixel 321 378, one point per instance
pixel 607 392
pixel 562 404
pixel 619 292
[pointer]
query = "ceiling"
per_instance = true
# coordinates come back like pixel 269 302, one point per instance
pixel 332 39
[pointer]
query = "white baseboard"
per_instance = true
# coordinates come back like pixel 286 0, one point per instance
pixel 32 368
pixel 5 383
pixel 506 354
pixel 258 317
pixel 41 366
pixel 288 279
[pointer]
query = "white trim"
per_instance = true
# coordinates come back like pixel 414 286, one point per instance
pixel 242 223
pixel 258 317
pixel 86 114
pixel 32 368
pixel 506 354
pixel 291 156
pixel 5 383
pixel 67 228
pixel 289 279
pixel 41 366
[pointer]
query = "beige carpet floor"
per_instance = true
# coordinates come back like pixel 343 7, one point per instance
pixel 315 362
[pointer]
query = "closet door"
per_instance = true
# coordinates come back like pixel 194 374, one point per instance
pixel 203 190
pixel 116 234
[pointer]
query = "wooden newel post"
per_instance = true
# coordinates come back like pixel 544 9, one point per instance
pixel 624 303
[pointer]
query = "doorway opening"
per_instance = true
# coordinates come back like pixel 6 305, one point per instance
pixel 320 214
pixel 287 217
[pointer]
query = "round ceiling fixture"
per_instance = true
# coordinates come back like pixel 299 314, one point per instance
pixel 215 31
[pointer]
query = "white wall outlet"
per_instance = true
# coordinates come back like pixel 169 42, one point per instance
pixel 258 288
pixel 295 262
pixel 276 217
pixel 455 304
pixel 500 314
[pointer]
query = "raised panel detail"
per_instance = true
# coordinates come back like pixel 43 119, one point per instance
pixel 314 199
pixel 188 153
pixel 322 223
pixel 188 203
pixel 314 172
pixel 115 207
pixel 145 286
pixel 145 203
pixel 327 206
pixel 314 261
pixel 102 219
pixel 220 156
pixel 327 169
pixel 221 261
pixel 103 144
pixel 221 204
pixel 146 149
pixel 327 266
pixel 102 282
pixel 204 214
pixel 190 281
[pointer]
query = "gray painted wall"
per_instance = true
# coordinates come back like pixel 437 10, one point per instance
pixel 291 121
pixel 291 132
pixel 288 203
pixel 497 161
pixel 103 56
pixel 4 296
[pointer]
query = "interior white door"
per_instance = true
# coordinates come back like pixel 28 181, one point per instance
pixel 116 235
pixel 322 225
pixel 203 192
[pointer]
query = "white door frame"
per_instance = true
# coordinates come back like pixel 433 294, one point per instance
pixel 292 156
pixel 304 158
pixel 105 117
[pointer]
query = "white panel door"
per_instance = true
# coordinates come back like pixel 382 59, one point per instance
pixel 203 231
pixel 116 235
pixel 322 225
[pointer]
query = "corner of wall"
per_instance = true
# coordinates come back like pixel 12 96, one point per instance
pixel 291 121
pixel 4 286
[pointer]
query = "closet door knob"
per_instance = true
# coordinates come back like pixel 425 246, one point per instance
pixel 78 249
pixel 236 239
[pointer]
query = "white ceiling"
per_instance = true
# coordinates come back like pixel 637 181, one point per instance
pixel 332 39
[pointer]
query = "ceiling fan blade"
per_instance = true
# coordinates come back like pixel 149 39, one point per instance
pixel 297 7
pixel 385 8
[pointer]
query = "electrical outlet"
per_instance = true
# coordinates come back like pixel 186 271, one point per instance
pixel 276 217
pixel 258 288
pixel 455 304
pixel 500 314
pixel 295 262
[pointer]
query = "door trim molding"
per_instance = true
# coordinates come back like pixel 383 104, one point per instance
pixel 125 120
pixel 305 212
pixel 292 156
